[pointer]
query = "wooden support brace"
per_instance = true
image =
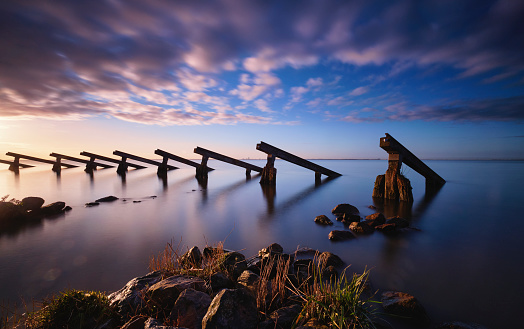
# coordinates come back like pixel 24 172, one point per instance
pixel 104 158
pixel 90 164
pixel 57 165
pixel 18 164
pixel 224 158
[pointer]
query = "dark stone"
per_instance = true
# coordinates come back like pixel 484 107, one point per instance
pixel 190 308
pixel 54 208
pixel 110 198
pixel 166 292
pixel 232 308
pixel 349 218
pixel 330 273
pixel 399 222
pixel 404 305
pixel 386 228
pixel 327 258
pixel 210 252
pixel 92 204
pixel 339 235
pixel 273 248
pixel 361 228
pixel 376 219
pixel 283 318
pixel 323 220
pixel 68 208
pixel 192 257
pixel 219 281
pixel 10 211
pixel 32 203
pixel 269 264
pixel 234 263
pixel 130 298
pixel 345 208
pixel 248 280
pixel 458 325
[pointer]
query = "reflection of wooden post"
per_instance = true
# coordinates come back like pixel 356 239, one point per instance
pixel 269 173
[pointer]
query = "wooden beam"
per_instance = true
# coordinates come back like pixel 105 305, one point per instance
pixel 210 154
pixel 392 146
pixel 19 164
pixel 104 158
pixel 137 158
pixel 271 150
pixel 67 157
pixel 179 159
pixel 28 157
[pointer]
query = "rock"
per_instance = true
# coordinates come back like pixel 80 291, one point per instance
pixel 192 257
pixel 110 198
pixel 249 281
pixel 361 228
pixel 232 308
pixel 404 305
pixel 339 235
pixel 345 208
pixel 399 222
pixel 190 308
pixel 323 220
pixel 10 211
pixel 130 298
pixel 156 324
pixel 348 218
pixel 327 258
pixel 386 228
pixel 166 292
pixel 283 318
pixel 376 219
pixel 458 325
pixel 234 263
pixel 219 281
pixel 330 273
pixel 92 204
pixel 303 269
pixel 210 252
pixel 68 208
pixel 54 208
pixel 32 203
pixel 273 248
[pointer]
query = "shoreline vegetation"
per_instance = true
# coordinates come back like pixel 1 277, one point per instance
pixel 220 288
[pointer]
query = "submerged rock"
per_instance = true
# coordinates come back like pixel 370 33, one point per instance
pixel 327 258
pixel 345 208
pixel 323 220
pixel 110 198
pixel 376 219
pixel 338 235
pixel 54 208
pixel 404 305
pixel 361 228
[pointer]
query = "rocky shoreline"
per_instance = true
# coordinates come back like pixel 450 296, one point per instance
pixel 218 288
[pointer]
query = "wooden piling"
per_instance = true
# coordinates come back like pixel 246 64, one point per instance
pixel 206 154
pixel 269 174
pixel 90 165
pixel 57 165
pixel 198 166
pixel 122 164
pixel 163 167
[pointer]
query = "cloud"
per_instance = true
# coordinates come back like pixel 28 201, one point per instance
pixel 359 91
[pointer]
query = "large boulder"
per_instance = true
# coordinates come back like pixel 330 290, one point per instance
pixel 376 219
pixel 219 281
pixel 345 208
pixel 166 292
pixel 323 220
pixel 248 280
pixel 190 308
pixel 234 263
pixel 404 305
pixel 273 248
pixel 232 308
pixel 192 257
pixel 339 235
pixel 32 203
pixel 130 298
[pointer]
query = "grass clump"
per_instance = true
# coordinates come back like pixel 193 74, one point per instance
pixel 337 303
pixel 73 309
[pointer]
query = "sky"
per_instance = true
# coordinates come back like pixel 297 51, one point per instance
pixel 319 79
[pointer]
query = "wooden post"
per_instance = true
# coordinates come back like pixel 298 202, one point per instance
pixel 57 166
pixel 15 166
pixel 269 173
pixel 202 170
pixel 122 166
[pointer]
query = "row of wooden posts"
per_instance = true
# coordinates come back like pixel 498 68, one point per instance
pixel 398 154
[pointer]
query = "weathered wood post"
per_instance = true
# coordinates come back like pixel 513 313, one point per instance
pixel 202 170
pixel 163 168
pixel 122 166
pixel 15 166
pixel 57 167
pixel 90 165
pixel 269 172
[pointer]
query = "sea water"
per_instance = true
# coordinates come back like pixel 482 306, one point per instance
pixel 463 262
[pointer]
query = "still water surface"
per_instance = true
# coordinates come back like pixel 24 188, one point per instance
pixel 464 264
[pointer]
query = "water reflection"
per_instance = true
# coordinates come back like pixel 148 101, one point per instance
pixel 269 192
pixel 225 191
